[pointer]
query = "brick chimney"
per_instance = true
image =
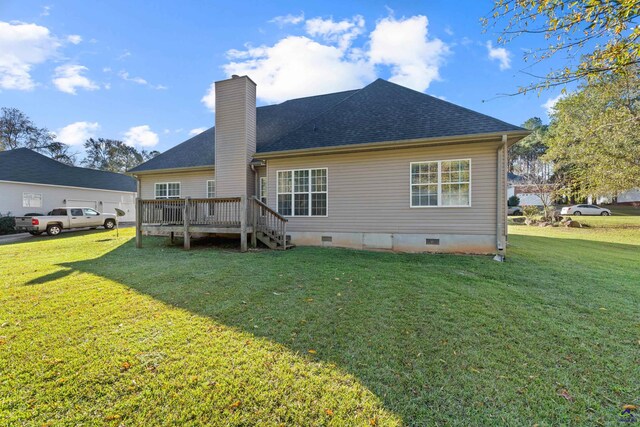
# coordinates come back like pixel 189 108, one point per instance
pixel 235 136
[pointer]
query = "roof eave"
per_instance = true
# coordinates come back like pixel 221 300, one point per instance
pixel 513 136
pixel 169 170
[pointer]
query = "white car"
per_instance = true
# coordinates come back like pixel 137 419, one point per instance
pixel 585 210
pixel 514 210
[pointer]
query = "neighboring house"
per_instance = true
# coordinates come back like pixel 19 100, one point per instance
pixel 630 197
pixel 529 195
pixel 33 183
pixel 382 167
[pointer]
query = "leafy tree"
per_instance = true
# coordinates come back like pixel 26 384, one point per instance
pixel 593 37
pixel 18 131
pixel 113 155
pixel 525 155
pixel 593 135
pixel 513 201
pixel 148 155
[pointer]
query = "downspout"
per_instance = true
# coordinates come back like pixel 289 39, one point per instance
pixel 500 202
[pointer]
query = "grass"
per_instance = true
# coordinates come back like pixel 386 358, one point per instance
pixel 95 332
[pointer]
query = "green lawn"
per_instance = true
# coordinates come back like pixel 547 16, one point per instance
pixel 95 332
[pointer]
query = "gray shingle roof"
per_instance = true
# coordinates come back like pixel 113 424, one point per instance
pixel 379 112
pixel 24 165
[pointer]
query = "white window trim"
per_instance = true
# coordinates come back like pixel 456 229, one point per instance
pixel 439 206
pixel 293 192
pixel 206 189
pixel 33 207
pixel 167 196
pixel 265 187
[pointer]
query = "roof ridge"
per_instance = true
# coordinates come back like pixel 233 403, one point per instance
pixel 355 92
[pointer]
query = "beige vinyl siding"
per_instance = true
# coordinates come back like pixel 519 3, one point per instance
pixel 370 192
pixel 251 135
pixel 192 184
pixel 235 136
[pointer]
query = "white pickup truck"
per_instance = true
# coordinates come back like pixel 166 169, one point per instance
pixel 65 218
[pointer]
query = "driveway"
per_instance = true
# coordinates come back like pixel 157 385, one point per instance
pixel 11 238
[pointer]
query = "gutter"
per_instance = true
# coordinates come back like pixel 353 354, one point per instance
pixel 512 137
pixel 169 170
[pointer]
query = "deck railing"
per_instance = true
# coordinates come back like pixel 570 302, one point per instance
pixel 218 211
pixel 269 222
pixel 224 214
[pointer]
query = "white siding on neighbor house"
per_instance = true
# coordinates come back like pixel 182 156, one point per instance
pixel 630 196
pixel 192 184
pixel 53 196
pixel 370 192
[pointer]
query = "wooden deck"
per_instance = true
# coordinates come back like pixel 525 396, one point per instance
pixel 230 215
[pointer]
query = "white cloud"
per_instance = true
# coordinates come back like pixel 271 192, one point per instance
pixel 550 104
pixel 196 131
pixel 77 133
pixel 342 32
pixel 69 77
pixel 141 136
pixel 74 38
pixel 283 20
pixel 23 46
pixel 46 11
pixel 501 54
pixel 404 45
pixel 327 59
pixel 297 66
pixel 124 55
pixel 209 98
pixel 124 75
pixel 138 80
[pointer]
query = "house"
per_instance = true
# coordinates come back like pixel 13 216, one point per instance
pixel 33 183
pixel 382 167
pixel 529 195
pixel 629 197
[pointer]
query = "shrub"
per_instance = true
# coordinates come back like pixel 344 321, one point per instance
pixel 530 213
pixel 513 201
pixel 7 224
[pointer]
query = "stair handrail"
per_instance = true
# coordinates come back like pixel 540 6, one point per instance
pixel 268 209
pixel 280 230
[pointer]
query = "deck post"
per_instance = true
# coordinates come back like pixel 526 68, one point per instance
pixel 172 235
pixel 243 223
pixel 138 222
pixel 185 220
pixel 254 219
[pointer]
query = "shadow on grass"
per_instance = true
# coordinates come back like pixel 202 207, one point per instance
pixel 60 274
pixel 64 235
pixel 435 337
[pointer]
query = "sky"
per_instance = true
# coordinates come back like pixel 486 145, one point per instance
pixel 142 72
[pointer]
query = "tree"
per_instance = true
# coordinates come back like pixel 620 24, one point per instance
pixel 593 136
pixel 148 155
pixel 18 131
pixel 547 189
pixel 113 155
pixel 525 155
pixel 594 37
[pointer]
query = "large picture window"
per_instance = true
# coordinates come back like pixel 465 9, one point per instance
pixel 167 190
pixel 302 192
pixel 441 183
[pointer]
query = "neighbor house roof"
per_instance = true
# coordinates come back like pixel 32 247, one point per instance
pixel 379 112
pixel 24 165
